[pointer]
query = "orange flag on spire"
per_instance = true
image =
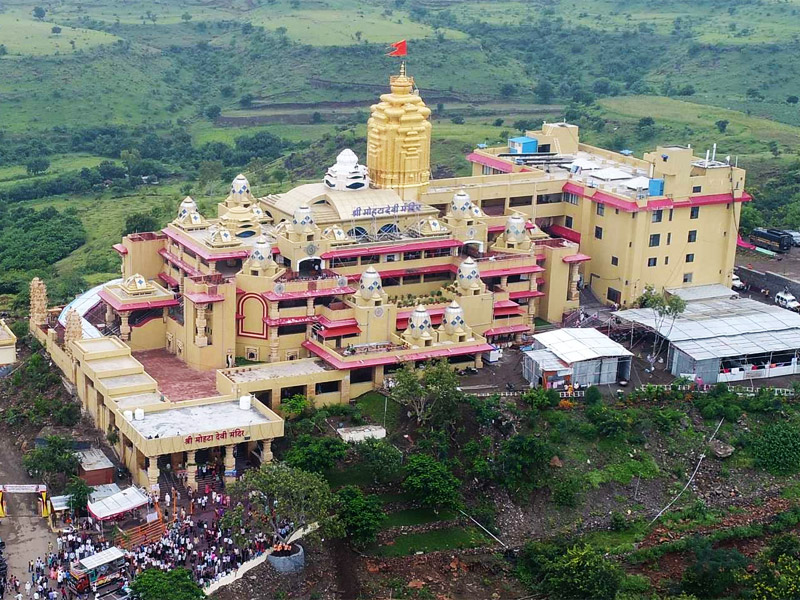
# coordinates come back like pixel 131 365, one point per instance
pixel 400 49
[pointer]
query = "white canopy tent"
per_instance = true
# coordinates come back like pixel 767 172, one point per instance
pixel 122 502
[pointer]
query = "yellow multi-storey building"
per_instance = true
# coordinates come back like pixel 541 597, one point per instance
pixel 668 220
pixel 327 288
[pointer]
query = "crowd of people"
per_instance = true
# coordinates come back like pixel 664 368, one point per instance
pixel 194 539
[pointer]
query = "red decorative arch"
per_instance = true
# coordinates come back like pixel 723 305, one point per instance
pixel 240 330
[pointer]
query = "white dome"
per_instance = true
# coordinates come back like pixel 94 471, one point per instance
pixel 262 251
pixel 347 174
pixel 419 323
pixel 370 285
pixel 453 318
pixel 515 228
pixel 460 205
pixel 187 206
pixel 347 158
pixel 468 275
pixel 302 216
pixel 240 186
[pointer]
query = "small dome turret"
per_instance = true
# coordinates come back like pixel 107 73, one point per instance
pixel 468 275
pixel 370 285
pixel 453 319
pixel 240 186
pixel 303 217
pixel 187 206
pixel 461 205
pixel 515 229
pixel 419 323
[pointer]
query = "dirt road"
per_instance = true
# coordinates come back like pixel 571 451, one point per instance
pixel 25 533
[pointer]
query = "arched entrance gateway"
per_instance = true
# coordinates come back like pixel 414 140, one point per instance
pixel 34 488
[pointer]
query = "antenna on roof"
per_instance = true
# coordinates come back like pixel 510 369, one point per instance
pixel 714 155
pixel 708 152
pixel 728 159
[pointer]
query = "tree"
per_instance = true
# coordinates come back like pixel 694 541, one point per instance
pixel 665 310
pixel 361 515
pixel 246 101
pixel 507 90
pixel 431 482
pixel 213 111
pixel 583 572
pixel 175 584
pixel 772 145
pixel 792 99
pixel 79 492
pixel 36 166
pixel 55 458
pixel 433 397
pixel 316 117
pixel 226 91
pixel 523 463
pixel 3 50
pixel 314 453
pixel 713 572
pixel 498 122
pixel 276 494
pixel 294 406
pixel 208 174
pixel 646 128
pixel 39 13
pixel 186 17
pixel 280 174
pixel 139 223
pixel 544 91
pixel 457 120
pixel 750 218
pixel 55 29
pixel 383 460
pixel 722 125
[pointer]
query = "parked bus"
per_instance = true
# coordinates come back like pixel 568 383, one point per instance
pixel 771 239
pixel 105 568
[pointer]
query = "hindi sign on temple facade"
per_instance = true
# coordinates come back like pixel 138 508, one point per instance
pixel 210 437
pixel 389 209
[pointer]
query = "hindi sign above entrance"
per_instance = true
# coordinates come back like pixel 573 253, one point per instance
pixel 389 209
pixel 237 434
pixel 23 489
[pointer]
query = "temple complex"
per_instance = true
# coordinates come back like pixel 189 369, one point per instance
pixel 328 288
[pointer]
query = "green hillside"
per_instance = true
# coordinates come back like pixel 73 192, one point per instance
pixel 106 92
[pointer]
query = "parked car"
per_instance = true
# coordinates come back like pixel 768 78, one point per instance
pixel 736 283
pixel 787 300
pixel 795 237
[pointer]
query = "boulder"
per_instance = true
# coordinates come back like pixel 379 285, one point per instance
pixel 720 449
pixel 556 462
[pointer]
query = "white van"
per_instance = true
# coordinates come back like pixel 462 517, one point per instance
pixel 736 283
pixel 787 300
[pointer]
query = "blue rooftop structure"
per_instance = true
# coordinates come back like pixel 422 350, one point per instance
pixel 523 145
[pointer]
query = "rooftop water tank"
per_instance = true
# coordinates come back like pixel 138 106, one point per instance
pixel 245 402
pixel 128 414
pixel 139 414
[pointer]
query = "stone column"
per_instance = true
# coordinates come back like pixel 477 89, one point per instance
pixel 200 339
pixel 378 377
pixel 73 331
pixel 124 328
pixel 38 301
pixel 191 468
pixel 230 463
pixel 479 361
pixel 309 307
pixel 504 281
pixel 109 315
pixel 345 387
pixel 309 390
pixel 266 452
pixel 153 472
pixel 273 344
pixel 573 282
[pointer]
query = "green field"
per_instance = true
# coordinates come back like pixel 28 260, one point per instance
pixel 24 36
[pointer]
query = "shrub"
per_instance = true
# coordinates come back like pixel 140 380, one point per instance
pixel 667 419
pixel 609 422
pixel 431 482
pixel 593 395
pixel 778 580
pixel 541 398
pixel 777 449
pixel 783 545
pixel 618 522
pixel 583 572
pixel 380 458
pixel 713 572
pixel 565 491
pixel 524 462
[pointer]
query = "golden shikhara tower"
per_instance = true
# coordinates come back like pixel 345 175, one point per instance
pixel 399 139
